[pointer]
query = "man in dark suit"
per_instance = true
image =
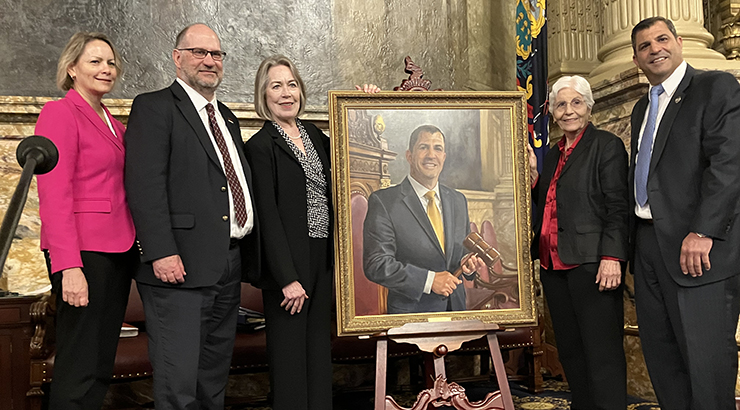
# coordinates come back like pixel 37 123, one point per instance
pixel 685 200
pixel 187 184
pixel 411 247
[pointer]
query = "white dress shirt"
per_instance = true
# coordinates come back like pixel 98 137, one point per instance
pixel 421 190
pixel 200 103
pixel 669 86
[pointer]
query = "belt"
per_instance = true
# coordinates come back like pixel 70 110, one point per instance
pixel 233 243
pixel 645 221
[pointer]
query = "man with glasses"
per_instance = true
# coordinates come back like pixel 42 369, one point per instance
pixel 188 186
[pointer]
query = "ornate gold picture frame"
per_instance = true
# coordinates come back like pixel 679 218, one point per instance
pixel 385 244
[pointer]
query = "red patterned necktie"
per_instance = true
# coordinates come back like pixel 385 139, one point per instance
pixel 240 208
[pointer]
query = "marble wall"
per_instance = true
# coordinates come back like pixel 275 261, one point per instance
pixel 459 43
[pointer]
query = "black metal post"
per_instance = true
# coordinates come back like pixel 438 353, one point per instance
pixel 37 155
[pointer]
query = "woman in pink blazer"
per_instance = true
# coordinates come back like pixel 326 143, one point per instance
pixel 87 233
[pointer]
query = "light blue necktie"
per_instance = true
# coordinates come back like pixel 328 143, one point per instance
pixel 646 147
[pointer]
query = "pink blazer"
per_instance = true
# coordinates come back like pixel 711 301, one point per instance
pixel 82 202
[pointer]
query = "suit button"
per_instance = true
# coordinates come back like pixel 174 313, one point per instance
pixel 223 189
pixel 560 229
pixel 225 218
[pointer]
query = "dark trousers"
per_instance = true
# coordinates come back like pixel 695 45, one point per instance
pixel 687 333
pixel 191 339
pixel 87 337
pixel 589 329
pixel 299 346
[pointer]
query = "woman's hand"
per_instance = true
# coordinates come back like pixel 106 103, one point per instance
pixel 295 295
pixel 609 276
pixel 74 287
pixel 368 88
pixel 533 174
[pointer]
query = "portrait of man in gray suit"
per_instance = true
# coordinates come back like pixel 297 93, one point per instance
pixel 413 234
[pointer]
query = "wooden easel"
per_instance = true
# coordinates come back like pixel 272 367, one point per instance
pixel 439 338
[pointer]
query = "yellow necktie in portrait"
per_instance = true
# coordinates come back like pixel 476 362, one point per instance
pixel 435 218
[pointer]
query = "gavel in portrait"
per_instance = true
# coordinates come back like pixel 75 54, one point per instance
pixel 477 246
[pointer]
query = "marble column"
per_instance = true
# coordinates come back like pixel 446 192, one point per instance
pixel 619 16
pixel 573 37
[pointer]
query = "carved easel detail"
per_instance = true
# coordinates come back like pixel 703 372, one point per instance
pixel 440 338
pixel 415 82
pixel 446 395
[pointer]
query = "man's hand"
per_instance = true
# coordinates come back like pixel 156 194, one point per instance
pixel 473 264
pixel 694 254
pixel 169 269
pixel 295 295
pixel 74 287
pixel 368 88
pixel 444 283
pixel 609 276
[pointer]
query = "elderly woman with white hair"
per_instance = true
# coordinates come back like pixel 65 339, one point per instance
pixel 581 239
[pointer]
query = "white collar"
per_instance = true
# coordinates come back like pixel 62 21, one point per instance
pixel 421 190
pixel 198 100
pixel 671 83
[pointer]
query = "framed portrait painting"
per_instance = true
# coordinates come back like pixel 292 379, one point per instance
pixel 432 206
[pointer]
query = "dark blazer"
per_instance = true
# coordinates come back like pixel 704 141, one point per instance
pixel 591 199
pixel 400 247
pixel 280 195
pixel 176 189
pixel 694 178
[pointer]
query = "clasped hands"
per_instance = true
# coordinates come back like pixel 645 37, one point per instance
pixel 445 282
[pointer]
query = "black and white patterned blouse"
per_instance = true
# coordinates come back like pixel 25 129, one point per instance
pixel 318 203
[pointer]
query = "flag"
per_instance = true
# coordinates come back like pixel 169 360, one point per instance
pixel 531 71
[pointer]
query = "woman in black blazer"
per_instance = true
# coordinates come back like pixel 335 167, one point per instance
pixel 290 161
pixel 581 239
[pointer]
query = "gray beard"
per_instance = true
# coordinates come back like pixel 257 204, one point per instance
pixel 203 86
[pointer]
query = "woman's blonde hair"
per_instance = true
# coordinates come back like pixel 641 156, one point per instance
pixel 261 81
pixel 72 52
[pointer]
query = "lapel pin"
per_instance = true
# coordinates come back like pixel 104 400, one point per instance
pixel 677 100
pixel 232 121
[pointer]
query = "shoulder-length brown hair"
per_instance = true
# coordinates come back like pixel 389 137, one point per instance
pixel 261 80
pixel 72 52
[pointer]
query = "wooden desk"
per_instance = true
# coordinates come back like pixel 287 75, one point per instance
pixel 15 339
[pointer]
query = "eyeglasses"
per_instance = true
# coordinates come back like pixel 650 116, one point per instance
pixel 201 53
pixel 576 104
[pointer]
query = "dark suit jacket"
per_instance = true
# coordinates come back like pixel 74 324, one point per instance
pixel 591 196
pixel 176 188
pixel 400 246
pixel 694 178
pixel 280 196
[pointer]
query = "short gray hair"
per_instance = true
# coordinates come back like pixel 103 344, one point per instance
pixel 578 84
